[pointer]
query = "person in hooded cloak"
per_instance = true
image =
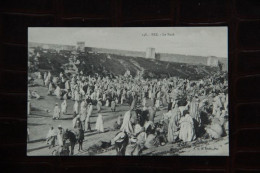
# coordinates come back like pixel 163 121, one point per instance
pixel 56 112
pixel 89 113
pixel 64 107
pixel 100 123
pixel 127 124
pixel 173 126
pixel 187 131
pixel 76 108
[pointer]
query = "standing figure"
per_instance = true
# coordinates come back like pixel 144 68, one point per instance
pixel 113 106
pixel 195 114
pixel 99 105
pixel 173 126
pixel 50 89
pixel 58 92
pixel 127 124
pixel 107 103
pixel 83 113
pixel 51 137
pixel 99 123
pixel 76 108
pixel 64 107
pixel 89 112
pixel 60 138
pixel 56 112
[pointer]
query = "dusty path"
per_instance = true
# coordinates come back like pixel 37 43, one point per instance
pixel 40 121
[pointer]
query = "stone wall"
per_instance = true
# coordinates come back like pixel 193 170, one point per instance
pixel 52 46
pixel 182 58
pixel 189 59
pixel 115 51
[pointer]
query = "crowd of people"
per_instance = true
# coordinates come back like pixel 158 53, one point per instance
pixel 194 108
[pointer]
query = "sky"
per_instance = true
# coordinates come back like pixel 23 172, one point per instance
pixel 199 41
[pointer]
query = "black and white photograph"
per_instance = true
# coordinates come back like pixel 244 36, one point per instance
pixel 133 91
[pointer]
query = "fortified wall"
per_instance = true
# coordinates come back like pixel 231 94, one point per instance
pixel 148 53
pixel 52 46
pixel 115 52
pixel 151 54
pixel 182 58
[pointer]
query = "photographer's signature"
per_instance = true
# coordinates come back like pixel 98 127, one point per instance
pixel 205 148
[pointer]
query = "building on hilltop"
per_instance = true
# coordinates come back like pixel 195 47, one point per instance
pixel 81 46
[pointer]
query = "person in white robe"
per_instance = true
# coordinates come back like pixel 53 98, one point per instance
pixel 51 137
pixel 49 75
pixel 47 81
pixel 99 123
pixel 67 85
pixel 64 107
pixel 216 104
pixel 60 137
pixel 173 126
pixel 127 125
pixel 99 105
pixel 214 130
pixel 56 112
pixel 50 89
pixel 113 106
pixel 116 100
pixel 83 114
pixel 76 108
pixel 44 76
pixel 57 92
pixel 187 131
pixel 107 103
pixel 194 110
pixel 89 113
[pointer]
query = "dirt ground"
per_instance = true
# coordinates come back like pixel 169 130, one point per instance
pixel 40 121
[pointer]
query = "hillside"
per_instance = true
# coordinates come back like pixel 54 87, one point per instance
pixel 104 64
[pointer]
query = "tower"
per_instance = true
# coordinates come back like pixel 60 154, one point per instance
pixel 81 46
pixel 150 53
pixel 212 61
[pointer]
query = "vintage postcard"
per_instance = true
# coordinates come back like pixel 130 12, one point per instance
pixel 151 91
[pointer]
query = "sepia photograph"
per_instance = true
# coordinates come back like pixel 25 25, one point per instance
pixel 133 91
